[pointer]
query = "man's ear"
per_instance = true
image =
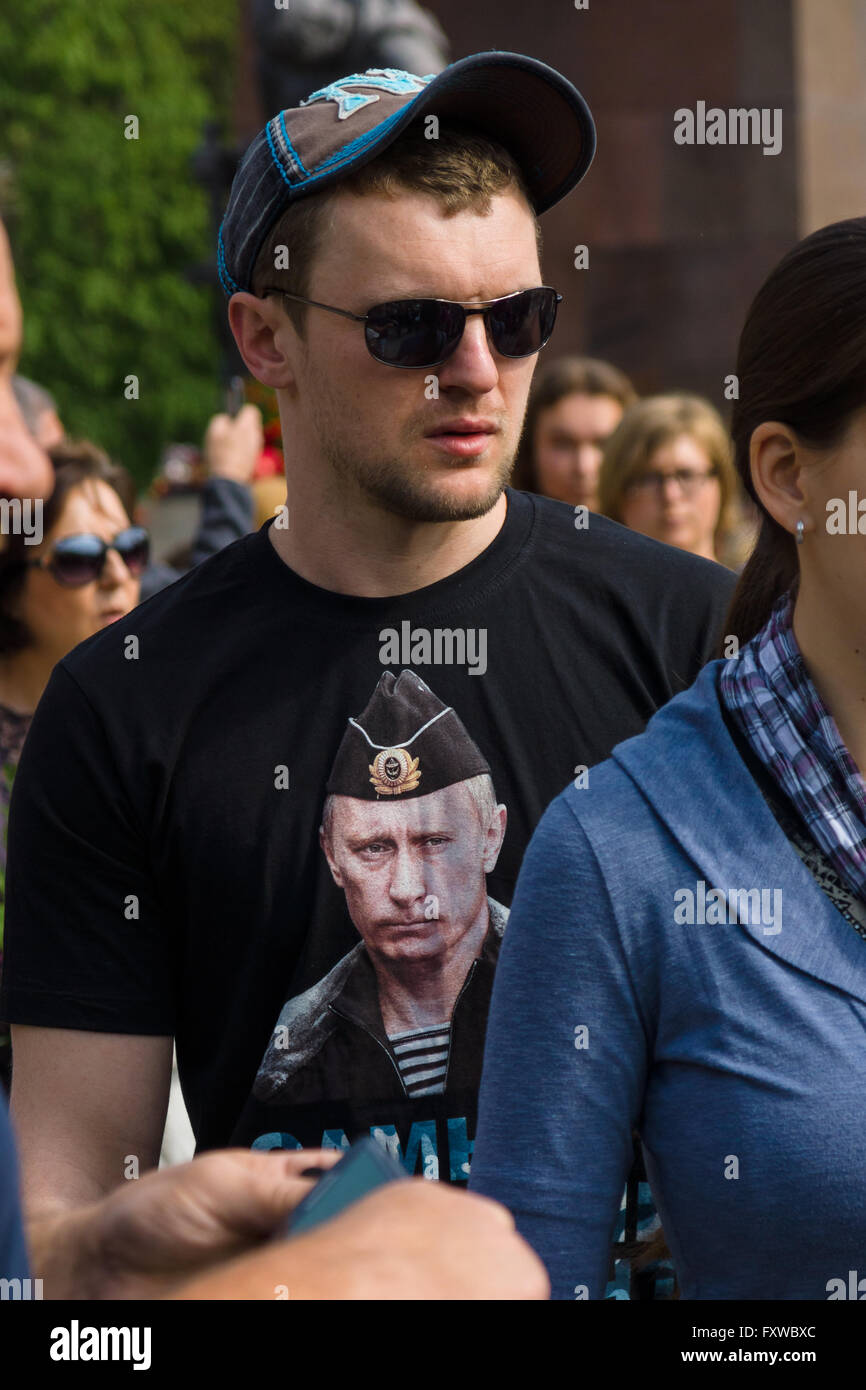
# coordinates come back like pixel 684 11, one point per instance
pixel 332 863
pixel 494 838
pixel 255 324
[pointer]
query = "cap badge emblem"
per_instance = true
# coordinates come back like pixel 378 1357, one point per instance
pixel 393 772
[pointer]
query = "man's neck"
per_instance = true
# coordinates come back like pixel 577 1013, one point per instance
pixel 371 553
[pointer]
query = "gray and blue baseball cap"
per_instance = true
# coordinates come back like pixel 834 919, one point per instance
pixel 530 108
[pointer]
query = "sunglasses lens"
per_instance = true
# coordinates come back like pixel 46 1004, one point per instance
pixel 523 323
pixel 414 332
pixel 78 560
pixel 134 548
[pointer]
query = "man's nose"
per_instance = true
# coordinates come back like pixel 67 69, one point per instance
pixel 407 875
pixel 472 364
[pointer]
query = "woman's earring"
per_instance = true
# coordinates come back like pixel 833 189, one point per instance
pixel 800 529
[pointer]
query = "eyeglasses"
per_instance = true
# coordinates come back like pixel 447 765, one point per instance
pixel 78 560
pixel 689 482
pixel 425 332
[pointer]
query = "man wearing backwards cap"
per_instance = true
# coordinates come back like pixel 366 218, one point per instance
pixel 410 829
pixel 380 251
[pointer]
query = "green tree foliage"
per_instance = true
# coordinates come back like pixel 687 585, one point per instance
pixel 104 227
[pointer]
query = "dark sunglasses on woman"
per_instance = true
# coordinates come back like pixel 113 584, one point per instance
pixel 425 332
pixel 80 559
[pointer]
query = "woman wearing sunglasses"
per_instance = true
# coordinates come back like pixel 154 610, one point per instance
pixel 84 574
pixel 686 952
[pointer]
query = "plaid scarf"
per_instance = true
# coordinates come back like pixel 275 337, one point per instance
pixel 773 700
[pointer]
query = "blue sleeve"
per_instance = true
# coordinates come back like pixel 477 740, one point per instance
pixel 226 514
pixel 13 1252
pixel 565 1061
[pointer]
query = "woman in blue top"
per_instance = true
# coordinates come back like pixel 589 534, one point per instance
pixel 686 953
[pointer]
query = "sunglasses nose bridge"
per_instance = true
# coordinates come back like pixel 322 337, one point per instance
pixel 471 353
pixel 471 326
pixel 114 569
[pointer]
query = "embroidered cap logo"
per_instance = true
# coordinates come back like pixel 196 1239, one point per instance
pixel 386 79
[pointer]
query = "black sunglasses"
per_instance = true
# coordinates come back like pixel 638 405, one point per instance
pixel 425 332
pixel 77 560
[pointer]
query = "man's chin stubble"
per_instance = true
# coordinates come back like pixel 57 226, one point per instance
pixel 413 498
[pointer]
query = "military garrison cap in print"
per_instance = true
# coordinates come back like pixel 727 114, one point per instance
pixel 405 743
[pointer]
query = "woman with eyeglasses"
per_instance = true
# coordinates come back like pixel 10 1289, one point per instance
pixel 667 472
pixel 82 575
pixel 686 950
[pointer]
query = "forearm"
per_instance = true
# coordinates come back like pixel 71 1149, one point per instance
pixel 345 1259
pixel 286 1270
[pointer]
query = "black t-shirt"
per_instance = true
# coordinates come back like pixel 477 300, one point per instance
pixel 165 871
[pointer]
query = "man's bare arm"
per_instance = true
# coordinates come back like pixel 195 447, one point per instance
pixel 83 1105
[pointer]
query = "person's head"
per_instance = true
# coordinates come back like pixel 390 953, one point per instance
pixel 413 871
pixel 39 410
pixel 43 607
pixel 446 219
pixel 799 428
pixel 574 406
pixel 667 472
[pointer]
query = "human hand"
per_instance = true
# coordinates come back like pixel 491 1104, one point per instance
pixel 407 1240
pixel 232 445
pixel 151 1233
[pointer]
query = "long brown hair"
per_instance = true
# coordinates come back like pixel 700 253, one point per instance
pixel 553 381
pixel 801 361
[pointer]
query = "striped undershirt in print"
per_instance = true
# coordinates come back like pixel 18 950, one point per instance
pixel 422 1056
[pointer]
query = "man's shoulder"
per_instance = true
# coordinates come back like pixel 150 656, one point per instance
pixel 174 617
pixel 613 553
pixel 658 778
pixel 304 1026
